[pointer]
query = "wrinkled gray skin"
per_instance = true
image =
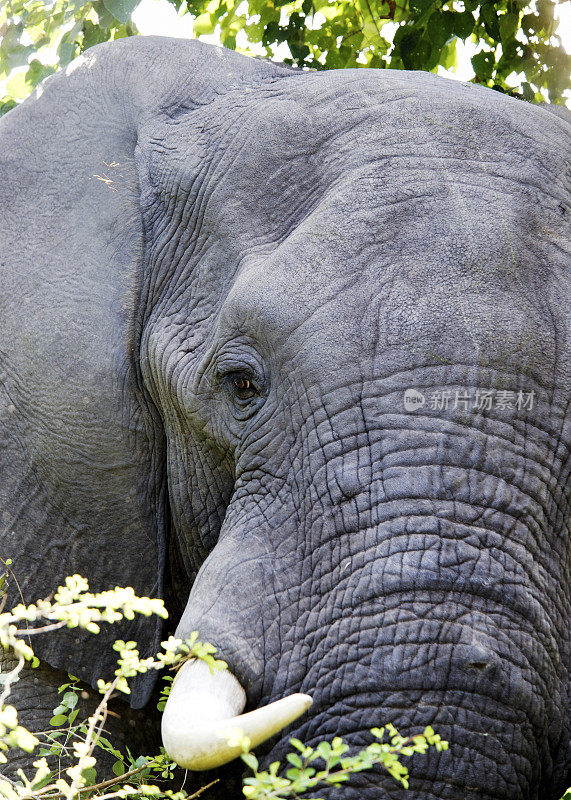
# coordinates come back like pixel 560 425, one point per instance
pixel 334 238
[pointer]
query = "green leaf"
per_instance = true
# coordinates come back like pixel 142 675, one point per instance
pixel 69 45
pixel 463 24
pixel 421 5
pixel 439 28
pixel 489 18
pixel 508 26
pixel 336 778
pixel 16 86
pixel 58 720
pixel 105 744
pixel 203 24
pixel 36 14
pixel 546 13
pixel 121 9
pixel 483 65
pixel 119 768
pixel 449 55
pixel 69 700
pixel 292 774
pixel 250 760
pixel 40 784
pixel 294 759
pixel 297 744
pixel 528 92
pixel 407 45
pixel 90 775
pixel 11 37
pixel 424 56
pixel 324 750
pixel 93 34
pixel 18 56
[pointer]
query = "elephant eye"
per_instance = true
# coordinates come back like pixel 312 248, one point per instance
pixel 242 386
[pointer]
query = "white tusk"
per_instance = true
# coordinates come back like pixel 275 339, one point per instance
pixel 203 713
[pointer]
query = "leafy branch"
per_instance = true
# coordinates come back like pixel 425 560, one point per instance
pixel 338 766
pixel 519 49
pixel 74 606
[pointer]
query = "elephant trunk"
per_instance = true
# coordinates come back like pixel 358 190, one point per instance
pixel 203 715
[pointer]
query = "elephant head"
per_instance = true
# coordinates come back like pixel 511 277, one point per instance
pixel 295 347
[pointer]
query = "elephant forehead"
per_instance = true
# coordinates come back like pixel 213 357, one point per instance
pixel 413 130
pixel 328 174
pixel 446 266
pixel 304 314
pixel 383 223
pixel 266 155
pixel 370 209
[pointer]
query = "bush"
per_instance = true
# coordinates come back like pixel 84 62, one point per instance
pixel 73 605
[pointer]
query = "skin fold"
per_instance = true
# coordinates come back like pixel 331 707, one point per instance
pixel 235 272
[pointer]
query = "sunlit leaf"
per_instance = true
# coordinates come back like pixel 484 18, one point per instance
pixel 58 720
pixel 17 87
pixel 37 72
pixel 203 24
pixel 121 9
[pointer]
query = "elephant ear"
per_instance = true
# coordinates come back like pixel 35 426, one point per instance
pixel 82 472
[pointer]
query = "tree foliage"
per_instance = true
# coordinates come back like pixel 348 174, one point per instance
pixel 44 35
pixel 513 36
pixel 518 48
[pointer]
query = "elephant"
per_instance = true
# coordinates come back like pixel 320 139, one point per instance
pixel 290 349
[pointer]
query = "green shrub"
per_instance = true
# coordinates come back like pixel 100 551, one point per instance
pixel 80 741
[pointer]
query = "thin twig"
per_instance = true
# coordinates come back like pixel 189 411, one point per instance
pixel 102 785
pixel 30 631
pixel 11 571
pixel 114 781
pixel 99 716
pixel 203 789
